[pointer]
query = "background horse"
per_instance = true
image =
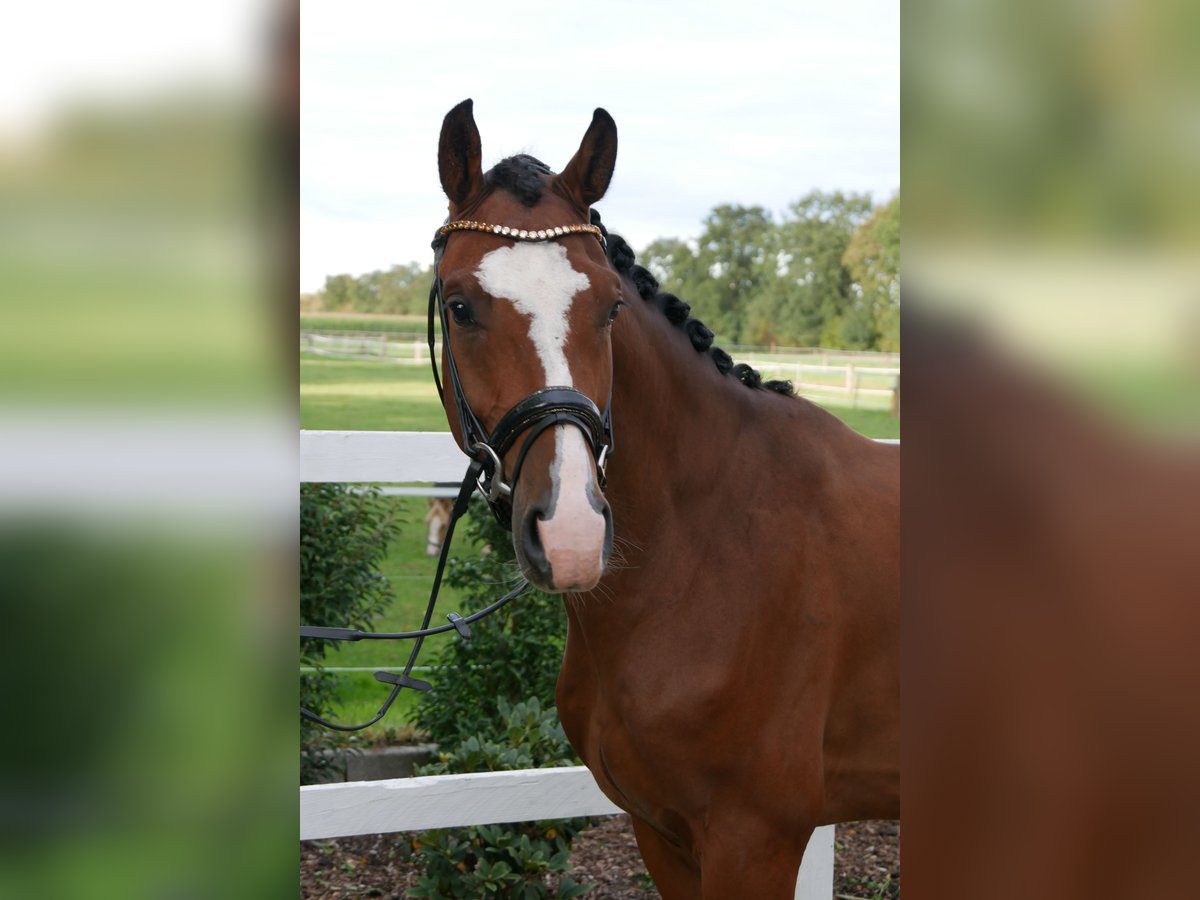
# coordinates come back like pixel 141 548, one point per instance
pixel 437 520
pixel 731 673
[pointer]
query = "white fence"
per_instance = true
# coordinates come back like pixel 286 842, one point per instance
pixel 442 801
pixel 407 349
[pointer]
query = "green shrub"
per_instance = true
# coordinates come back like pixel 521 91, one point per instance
pixel 514 654
pixel 491 709
pixel 344 536
pixel 519 861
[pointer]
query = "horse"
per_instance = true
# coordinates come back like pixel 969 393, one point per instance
pixel 437 520
pixel 727 553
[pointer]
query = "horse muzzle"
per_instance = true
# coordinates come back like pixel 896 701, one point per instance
pixel 563 540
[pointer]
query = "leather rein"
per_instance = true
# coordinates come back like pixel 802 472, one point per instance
pixel 530 417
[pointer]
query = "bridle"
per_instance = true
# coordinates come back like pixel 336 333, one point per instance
pixel 535 413
pixel 544 408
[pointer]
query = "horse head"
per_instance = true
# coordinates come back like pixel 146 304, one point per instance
pixel 527 299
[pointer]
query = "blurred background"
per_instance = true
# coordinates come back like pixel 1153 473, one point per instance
pixel 1050 151
pixel 147 450
pixel 1051 328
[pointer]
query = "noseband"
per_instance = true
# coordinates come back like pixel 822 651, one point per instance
pixel 530 416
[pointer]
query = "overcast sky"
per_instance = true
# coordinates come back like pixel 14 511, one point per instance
pixel 733 102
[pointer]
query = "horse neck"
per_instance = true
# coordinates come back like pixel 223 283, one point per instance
pixel 673 415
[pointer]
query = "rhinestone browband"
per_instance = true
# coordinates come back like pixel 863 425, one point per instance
pixel 521 234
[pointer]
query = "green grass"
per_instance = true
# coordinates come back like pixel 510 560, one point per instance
pixel 351 395
pixel 874 423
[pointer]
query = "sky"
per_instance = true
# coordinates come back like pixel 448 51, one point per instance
pixel 57 52
pixel 748 102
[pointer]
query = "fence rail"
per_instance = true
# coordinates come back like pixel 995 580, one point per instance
pixel 442 801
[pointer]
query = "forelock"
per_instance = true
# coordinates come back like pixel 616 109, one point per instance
pixel 522 175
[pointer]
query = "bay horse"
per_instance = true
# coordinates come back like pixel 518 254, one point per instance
pixel 728 553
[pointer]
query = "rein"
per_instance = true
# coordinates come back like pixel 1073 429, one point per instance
pixel 531 416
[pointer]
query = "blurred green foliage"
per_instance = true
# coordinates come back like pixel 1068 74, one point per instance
pixel 1073 122
pixel 134 753
pixel 1049 155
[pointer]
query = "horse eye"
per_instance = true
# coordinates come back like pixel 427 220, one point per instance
pixel 461 313
pixel 612 313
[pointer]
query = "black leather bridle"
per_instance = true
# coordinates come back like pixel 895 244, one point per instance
pixel 530 417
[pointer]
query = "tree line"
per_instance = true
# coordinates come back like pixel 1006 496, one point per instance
pixel 825 273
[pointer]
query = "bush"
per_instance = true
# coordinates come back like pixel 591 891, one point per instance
pixel 525 860
pixel 344 536
pixel 514 654
pixel 491 709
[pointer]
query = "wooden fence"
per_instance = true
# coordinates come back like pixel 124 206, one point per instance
pixel 442 801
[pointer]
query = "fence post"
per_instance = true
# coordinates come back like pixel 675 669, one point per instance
pixel 852 384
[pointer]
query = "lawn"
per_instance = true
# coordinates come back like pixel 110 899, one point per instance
pixel 351 395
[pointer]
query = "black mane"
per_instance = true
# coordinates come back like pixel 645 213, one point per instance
pixel 621 255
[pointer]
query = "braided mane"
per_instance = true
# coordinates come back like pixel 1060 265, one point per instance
pixel 525 177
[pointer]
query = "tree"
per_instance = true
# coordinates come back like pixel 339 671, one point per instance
pixel 401 289
pixel 811 296
pixel 673 262
pixel 739 251
pixel 341 293
pixel 873 260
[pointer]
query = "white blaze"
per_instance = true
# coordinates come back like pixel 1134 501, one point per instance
pixel 539 282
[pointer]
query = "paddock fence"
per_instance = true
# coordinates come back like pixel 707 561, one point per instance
pixel 486 798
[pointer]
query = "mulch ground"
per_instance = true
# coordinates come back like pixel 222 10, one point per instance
pixel 866 863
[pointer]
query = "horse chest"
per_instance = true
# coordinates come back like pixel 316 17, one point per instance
pixel 657 735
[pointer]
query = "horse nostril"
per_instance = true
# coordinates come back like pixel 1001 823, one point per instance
pixel 531 535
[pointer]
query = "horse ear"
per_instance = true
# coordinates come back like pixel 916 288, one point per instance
pixel 586 177
pixel 459 154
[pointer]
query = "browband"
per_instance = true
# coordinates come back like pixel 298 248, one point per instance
pixel 520 234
